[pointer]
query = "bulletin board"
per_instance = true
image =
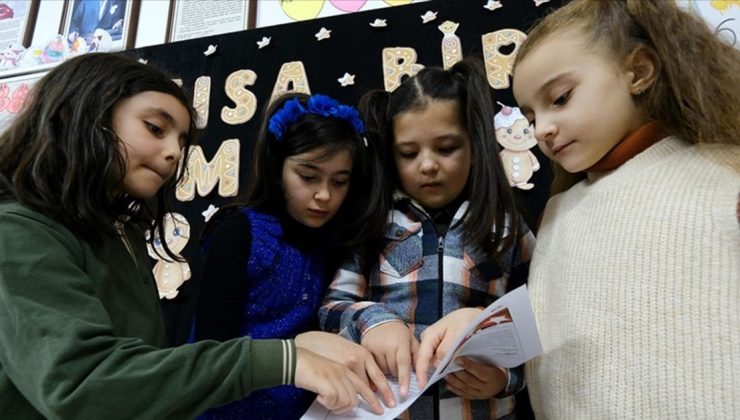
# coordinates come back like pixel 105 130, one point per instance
pixel 233 77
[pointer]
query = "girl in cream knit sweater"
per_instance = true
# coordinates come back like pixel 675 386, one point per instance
pixel 635 278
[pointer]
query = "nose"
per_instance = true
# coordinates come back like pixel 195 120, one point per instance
pixel 172 149
pixel 428 164
pixel 322 194
pixel 545 129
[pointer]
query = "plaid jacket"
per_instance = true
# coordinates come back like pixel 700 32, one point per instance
pixel 418 278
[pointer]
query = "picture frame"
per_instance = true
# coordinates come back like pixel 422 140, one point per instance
pixel 109 26
pixel 188 19
pixel 17 21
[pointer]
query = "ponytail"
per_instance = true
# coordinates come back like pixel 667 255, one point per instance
pixel 493 203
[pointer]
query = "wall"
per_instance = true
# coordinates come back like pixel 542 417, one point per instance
pixel 152 25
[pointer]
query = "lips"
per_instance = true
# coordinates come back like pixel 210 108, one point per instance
pixel 164 174
pixel 559 148
pixel 318 213
pixel 431 185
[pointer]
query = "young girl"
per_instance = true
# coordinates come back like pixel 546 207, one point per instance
pixel 84 170
pixel 453 238
pixel 312 191
pixel 635 281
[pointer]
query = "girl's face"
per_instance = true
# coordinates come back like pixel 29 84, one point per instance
pixel 579 99
pixel 315 186
pixel 152 127
pixel 432 153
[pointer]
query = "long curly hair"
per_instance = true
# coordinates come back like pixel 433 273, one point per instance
pixel 695 93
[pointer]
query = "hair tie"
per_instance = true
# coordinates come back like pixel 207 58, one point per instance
pixel 293 110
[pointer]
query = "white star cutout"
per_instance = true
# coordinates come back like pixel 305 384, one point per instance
pixel 428 16
pixel 493 5
pixel 210 50
pixel 379 23
pixel 209 212
pixel 347 79
pixel 264 42
pixel 323 34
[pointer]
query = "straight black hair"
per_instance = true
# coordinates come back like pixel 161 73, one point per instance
pixel 491 199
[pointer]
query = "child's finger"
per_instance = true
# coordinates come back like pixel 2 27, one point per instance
pixel 430 339
pixel 366 393
pixel 479 371
pixel 403 363
pixel 379 382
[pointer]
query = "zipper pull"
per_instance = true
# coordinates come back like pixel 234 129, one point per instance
pixel 440 243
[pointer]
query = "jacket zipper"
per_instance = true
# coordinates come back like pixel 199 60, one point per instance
pixel 440 272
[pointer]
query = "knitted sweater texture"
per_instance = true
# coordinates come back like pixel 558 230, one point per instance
pixel 635 284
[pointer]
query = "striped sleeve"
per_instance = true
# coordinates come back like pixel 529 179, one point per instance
pixel 289 362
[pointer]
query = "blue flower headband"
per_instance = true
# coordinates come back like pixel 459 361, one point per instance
pixel 317 104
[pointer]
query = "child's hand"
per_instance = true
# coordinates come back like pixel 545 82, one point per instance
pixel 337 386
pixel 438 337
pixel 476 381
pixel 393 346
pixel 351 355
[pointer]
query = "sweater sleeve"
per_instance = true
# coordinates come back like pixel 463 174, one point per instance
pixel 61 353
pixel 224 286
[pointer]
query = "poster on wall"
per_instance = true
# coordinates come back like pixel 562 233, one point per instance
pixel 286 11
pixel 195 19
pixel 13 94
pixel 99 25
pixel 17 20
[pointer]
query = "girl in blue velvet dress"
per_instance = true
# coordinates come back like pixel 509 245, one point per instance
pixel 315 189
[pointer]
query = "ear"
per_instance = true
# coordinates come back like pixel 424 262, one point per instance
pixel 641 69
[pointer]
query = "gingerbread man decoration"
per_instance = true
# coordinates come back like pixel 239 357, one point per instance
pixel 169 274
pixel 516 135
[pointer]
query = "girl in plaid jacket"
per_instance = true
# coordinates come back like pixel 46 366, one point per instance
pixel 453 238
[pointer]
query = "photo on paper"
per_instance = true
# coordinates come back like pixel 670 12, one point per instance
pixel 99 25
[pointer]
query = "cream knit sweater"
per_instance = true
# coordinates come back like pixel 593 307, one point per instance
pixel 635 284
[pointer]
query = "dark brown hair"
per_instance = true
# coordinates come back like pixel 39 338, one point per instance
pixel 61 158
pixel 362 214
pixel 465 83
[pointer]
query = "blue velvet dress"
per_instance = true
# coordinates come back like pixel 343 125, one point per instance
pixel 264 276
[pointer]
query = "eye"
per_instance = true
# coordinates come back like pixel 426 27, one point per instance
pixel 407 155
pixel 340 182
pixel 153 128
pixel 157 242
pixel 307 178
pixel 526 131
pixel 177 232
pixel 509 131
pixel 447 150
pixel 562 99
